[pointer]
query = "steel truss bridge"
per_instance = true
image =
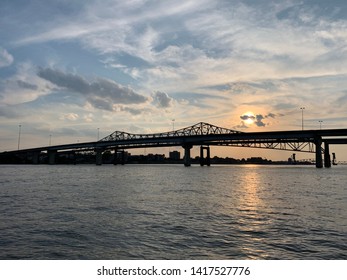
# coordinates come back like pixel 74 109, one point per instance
pixel 206 135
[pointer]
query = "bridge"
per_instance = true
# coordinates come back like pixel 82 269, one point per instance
pixel 203 135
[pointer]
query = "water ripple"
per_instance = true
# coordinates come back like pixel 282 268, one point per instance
pixel 170 212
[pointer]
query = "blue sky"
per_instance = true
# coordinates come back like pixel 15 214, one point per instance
pixel 68 68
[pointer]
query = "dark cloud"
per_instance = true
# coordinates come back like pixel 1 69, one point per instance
pixel 162 100
pixel 247 117
pixel 101 93
pixel 26 85
pixel 257 119
pixel 100 103
pixel 134 111
pixel 240 126
pixel 270 115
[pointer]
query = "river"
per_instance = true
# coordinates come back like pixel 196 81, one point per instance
pixel 172 212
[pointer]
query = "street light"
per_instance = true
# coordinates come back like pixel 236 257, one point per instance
pixel 320 124
pixel 20 127
pixel 302 117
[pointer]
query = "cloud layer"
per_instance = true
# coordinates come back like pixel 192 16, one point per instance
pixel 104 63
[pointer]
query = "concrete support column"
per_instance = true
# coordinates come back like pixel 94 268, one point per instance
pixel 74 157
pixel 202 162
pixel 327 160
pixel 208 157
pixel 36 157
pixel 51 156
pixel 187 148
pixel 98 156
pixel 115 158
pixel 122 157
pixel 319 160
pixel 207 160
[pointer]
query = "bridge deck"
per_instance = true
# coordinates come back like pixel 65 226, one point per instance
pixel 212 139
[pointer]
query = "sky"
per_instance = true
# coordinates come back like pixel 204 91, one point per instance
pixel 73 70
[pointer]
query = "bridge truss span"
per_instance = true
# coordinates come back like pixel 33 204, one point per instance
pixel 284 145
pixel 195 130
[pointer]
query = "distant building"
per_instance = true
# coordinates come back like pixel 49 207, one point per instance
pixel 175 155
pixel 155 157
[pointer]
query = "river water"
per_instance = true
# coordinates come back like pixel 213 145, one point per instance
pixel 172 212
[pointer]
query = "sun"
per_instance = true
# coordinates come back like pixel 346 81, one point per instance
pixel 248 117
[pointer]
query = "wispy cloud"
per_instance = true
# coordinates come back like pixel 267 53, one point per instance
pixel 23 86
pixel 6 59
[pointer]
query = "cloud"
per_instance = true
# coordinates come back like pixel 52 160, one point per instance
pixel 101 93
pixel 256 119
pixel 240 126
pixel 259 121
pixel 70 117
pixel 22 86
pixel 6 59
pixel 208 43
pixel 9 112
pixel 247 117
pixel 162 99
pixel 134 111
pixel 270 115
pixel 26 85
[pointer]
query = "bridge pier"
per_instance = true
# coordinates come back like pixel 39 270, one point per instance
pixel 327 160
pixel 119 157
pixel 319 160
pixel 51 156
pixel 36 157
pixel 207 160
pixel 187 148
pixel 122 157
pixel 98 156
pixel 115 159
pixel 74 157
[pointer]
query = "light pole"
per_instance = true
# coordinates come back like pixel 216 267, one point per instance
pixel 302 117
pixel 320 124
pixel 20 127
pixel 98 134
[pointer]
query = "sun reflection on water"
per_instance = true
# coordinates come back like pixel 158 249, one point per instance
pixel 251 186
pixel 251 205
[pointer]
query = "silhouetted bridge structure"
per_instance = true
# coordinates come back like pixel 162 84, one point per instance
pixel 204 135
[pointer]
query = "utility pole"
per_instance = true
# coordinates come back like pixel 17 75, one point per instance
pixel 20 127
pixel 302 117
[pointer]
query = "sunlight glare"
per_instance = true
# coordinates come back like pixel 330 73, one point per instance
pixel 251 117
